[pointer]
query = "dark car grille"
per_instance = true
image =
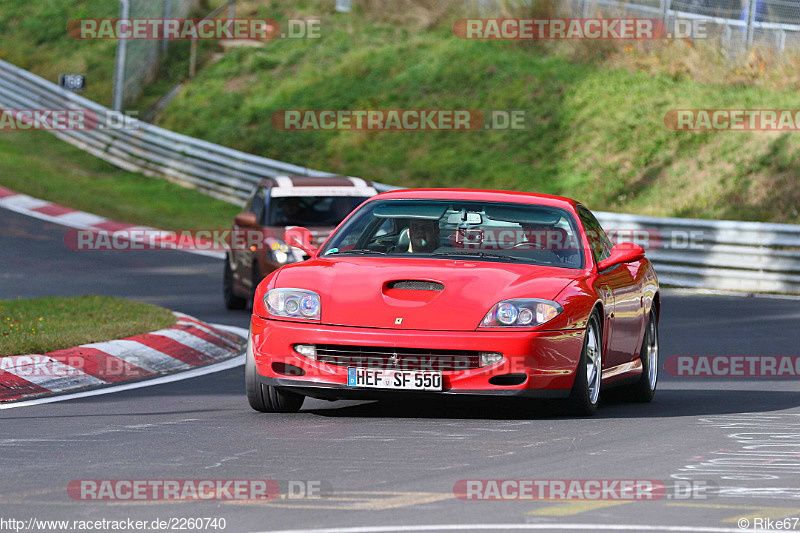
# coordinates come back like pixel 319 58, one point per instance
pixel 397 358
pixel 415 285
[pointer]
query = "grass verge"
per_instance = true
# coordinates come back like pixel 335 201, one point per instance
pixel 39 164
pixel 42 325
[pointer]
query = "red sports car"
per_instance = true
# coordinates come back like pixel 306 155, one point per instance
pixel 456 292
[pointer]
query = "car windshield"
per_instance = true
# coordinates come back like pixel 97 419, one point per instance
pixel 483 231
pixel 311 210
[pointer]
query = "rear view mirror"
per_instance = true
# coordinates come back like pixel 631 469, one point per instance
pixel 300 238
pixel 471 218
pixel 624 252
pixel 246 220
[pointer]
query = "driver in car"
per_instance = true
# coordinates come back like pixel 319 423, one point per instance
pixel 424 235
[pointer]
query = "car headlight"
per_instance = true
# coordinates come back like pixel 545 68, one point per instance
pixel 521 313
pixel 293 303
pixel 279 251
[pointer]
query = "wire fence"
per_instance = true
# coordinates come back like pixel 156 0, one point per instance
pixel 738 25
pixel 138 60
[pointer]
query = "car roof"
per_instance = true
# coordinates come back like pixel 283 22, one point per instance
pixel 480 195
pixel 318 186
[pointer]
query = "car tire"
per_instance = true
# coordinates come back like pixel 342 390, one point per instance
pixel 266 398
pixel 644 389
pixel 280 400
pixel 231 300
pixel 585 394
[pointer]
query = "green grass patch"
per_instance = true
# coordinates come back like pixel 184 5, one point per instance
pixel 35 38
pixel 38 164
pixel 595 113
pixel 593 132
pixel 42 325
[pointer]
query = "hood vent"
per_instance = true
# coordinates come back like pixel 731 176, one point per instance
pixel 415 285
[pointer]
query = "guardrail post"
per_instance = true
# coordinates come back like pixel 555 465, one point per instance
pixel 119 63
pixel 751 21
pixel 193 58
pixel 167 13
pixel 665 7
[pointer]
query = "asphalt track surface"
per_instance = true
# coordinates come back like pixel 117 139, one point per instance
pixel 388 464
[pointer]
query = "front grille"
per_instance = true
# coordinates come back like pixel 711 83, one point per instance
pixel 397 358
pixel 415 285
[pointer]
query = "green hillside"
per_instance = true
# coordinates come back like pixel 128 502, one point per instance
pixel 594 112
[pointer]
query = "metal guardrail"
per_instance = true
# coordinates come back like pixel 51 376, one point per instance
pixel 744 256
pixel 717 254
pixel 155 152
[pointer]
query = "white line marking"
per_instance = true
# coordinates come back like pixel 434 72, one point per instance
pixel 196 372
pixel 83 220
pixel 188 374
pixel 519 527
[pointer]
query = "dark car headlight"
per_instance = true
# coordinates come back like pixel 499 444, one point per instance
pixel 279 251
pixel 521 313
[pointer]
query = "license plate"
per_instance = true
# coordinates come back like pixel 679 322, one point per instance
pixel 377 378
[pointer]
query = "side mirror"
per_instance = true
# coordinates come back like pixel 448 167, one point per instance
pixel 246 220
pixel 622 253
pixel 300 238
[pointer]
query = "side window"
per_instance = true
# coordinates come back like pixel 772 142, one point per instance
pixel 598 239
pixel 389 227
pixel 354 232
pixel 258 206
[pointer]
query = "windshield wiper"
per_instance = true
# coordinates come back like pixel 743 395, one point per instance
pixel 360 252
pixel 480 254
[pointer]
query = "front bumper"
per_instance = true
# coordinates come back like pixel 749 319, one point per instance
pixel 547 359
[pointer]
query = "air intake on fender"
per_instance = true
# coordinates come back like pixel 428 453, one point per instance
pixel 415 285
